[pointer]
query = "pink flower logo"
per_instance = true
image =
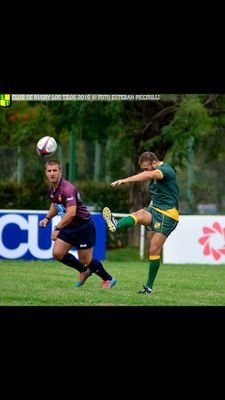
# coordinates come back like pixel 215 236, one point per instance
pixel 213 241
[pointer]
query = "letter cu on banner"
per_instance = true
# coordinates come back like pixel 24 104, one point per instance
pixel 22 238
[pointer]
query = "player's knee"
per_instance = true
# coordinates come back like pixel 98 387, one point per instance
pixel 154 250
pixel 57 255
pixel 85 260
pixel 142 216
pixel 85 256
pixel 138 214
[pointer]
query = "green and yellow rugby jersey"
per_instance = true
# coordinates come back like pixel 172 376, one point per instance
pixel 165 192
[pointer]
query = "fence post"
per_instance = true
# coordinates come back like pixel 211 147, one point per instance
pixel 142 242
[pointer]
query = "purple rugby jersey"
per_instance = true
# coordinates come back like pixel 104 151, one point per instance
pixel 67 195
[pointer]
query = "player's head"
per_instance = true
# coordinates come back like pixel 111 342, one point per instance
pixel 53 171
pixel 53 162
pixel 148 161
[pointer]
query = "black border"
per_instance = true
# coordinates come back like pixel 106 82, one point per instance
pixel 116 326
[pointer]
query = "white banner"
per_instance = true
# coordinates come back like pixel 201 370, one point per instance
pixel 197 239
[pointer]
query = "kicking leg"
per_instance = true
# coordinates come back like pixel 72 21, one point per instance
pixel 141 217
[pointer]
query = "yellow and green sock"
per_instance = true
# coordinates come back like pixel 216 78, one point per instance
pixel 154 264
pixel 126 222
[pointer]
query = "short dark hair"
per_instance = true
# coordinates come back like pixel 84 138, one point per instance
pixel 52 162
pixel 147 156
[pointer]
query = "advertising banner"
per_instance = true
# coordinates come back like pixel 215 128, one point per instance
pixel 197 239
pixel 22 238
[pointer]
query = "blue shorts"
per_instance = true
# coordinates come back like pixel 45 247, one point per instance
pixel 81 236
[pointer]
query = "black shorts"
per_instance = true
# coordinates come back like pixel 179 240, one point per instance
pixel 81 236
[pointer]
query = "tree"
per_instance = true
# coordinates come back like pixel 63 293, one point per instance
pixel 121 131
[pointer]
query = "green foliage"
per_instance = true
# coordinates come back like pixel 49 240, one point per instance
pixel 191 121
pixel 33 195
pixel 23 196
pixel 101 194
pixel 174 127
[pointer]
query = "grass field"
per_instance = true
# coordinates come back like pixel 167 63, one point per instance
pixel 49 283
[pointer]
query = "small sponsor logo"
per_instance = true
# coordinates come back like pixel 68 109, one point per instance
pixel 69 198
pixel 83 245
pixel 5 100
pixel 213 241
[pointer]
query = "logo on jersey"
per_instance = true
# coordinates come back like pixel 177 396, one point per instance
pixel 157 225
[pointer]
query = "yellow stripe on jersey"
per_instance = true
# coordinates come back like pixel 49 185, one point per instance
pixel 172 212
pixel 161 174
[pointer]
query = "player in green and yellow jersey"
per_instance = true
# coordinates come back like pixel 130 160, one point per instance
pixel 162 214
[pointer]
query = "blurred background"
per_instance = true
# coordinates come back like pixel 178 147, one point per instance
pixel 101 141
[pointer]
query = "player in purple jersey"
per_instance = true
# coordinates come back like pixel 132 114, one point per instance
pixel 75 229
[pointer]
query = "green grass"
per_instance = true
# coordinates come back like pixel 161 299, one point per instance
pixel 49 283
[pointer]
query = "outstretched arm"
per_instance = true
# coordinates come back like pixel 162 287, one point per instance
pixel 141 177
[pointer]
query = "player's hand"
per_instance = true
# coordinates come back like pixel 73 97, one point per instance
pixel 119 182
pixel 43 223
pixel 54 235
